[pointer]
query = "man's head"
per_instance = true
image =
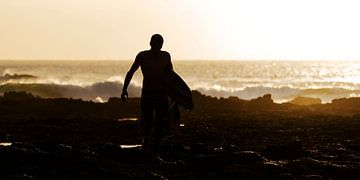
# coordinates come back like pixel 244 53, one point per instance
pixel 156 42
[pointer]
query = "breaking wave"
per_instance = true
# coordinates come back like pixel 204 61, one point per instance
pixel 102 91
pixel 100 80
pixel 9 77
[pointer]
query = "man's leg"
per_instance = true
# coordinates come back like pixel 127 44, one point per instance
pixel 146 120
pixel 161 117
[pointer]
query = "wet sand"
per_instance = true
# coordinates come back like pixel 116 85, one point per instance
pixel 220 139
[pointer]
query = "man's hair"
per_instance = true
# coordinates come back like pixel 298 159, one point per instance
pixel 156 41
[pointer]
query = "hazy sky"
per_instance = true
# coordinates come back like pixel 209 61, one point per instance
pixel 193 29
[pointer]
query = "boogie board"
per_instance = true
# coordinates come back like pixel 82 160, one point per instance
pixel 178 90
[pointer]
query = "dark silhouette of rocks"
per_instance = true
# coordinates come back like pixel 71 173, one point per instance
pixel 18 96
pixel 293 150
pixel 222 138
pixel 346 103
pixel 25 105
pixel 265 100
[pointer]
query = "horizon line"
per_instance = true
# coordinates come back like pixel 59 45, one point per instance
pixel 346 60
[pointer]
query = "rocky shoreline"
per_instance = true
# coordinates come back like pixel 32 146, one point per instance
pixel 226 138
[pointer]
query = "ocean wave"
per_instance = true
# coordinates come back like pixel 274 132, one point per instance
pixel 6 77
pixel 102 91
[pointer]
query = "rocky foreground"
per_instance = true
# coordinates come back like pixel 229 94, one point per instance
pixel 220 139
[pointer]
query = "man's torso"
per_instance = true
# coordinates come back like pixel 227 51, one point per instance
pixel 154 65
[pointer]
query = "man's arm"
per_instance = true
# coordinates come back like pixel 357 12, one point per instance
pixel 129 76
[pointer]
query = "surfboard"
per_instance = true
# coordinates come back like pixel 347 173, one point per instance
pixel 178 90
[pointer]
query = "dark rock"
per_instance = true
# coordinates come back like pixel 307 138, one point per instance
pixel 244 157
pixel 199 148
pixel 207 163
pixel 262 101
pixel 291 151
pixel 310 177
pixel 12 95
pixel 284 176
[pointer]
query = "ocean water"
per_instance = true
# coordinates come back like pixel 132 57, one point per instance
pixel 99 80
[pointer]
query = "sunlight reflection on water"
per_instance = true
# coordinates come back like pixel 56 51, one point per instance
pixel 5 144
pixel 128 119
pixel 127 146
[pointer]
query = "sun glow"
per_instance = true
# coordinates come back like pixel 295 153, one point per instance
pixel 201 29
pixel 299 30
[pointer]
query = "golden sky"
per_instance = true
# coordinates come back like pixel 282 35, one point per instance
pixel 193 29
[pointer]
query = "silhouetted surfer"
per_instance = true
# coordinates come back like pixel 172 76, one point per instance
pixel 154 65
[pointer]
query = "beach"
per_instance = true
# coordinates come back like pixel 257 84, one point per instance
pixel 221 138
pixel 203 89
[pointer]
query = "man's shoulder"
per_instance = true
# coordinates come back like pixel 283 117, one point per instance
pixel 142 53
pixel 147 52
pixel 166 54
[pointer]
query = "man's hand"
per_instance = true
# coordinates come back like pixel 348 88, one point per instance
pixel 124 95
